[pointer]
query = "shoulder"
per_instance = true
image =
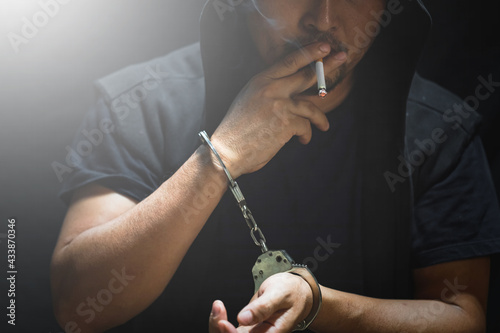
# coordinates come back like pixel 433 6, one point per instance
pixel 439 127
pixel 181 65
pixel 157 106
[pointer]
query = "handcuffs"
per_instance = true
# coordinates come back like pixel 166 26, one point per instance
pixel 270 262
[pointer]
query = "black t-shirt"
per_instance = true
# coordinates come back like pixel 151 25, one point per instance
pixel 306 200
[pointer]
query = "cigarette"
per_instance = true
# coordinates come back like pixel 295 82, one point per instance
pixel 320 75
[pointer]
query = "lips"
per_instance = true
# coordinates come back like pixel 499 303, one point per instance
pixel 335 45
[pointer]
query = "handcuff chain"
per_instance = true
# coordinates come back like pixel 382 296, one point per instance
pixel 259 239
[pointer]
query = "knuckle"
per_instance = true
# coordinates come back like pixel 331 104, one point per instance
pixel 263 310
pixel 277 105
pixel 269 91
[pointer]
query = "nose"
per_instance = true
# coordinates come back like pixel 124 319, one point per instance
pixel 322 16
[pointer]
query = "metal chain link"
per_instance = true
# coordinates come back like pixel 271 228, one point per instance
pixel 259 239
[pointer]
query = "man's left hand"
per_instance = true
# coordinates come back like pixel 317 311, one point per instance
pixel 283 300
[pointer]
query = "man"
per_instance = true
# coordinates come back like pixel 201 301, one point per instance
pixel 340 183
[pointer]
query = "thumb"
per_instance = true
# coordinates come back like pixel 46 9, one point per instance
pixel 217 314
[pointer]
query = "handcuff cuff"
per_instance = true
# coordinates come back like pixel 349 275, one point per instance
pixel 270 262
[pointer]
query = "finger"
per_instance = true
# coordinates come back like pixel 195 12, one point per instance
pixel 261 309
pixel 312 113
pixel 306 77
pixel 265 327
pixel 304 74
pixel 226 327
pixel 303 115
pixel 296 119
pixel 217 314
pixel 296 60
pixel 303 131
pixel 333 61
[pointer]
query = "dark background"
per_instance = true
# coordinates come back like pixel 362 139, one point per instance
pixel 47 87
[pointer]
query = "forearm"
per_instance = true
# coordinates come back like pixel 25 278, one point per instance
pixel 146 242
pixel 354 313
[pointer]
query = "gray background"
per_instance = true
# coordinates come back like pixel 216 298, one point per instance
pixel 45 89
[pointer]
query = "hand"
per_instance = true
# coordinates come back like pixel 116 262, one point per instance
pixel 264 116
pixel 218 321
pixel 283 300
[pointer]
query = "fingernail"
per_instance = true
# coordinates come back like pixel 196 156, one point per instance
pixel 340 56
pixel 215 309
pixel 246 316
pixel 324 48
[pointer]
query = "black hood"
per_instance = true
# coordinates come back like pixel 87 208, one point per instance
pixel 383 80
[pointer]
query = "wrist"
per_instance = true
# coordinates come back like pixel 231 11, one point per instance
pixel 210 164
pixel 227 158
pixel 342 310
pixel 311 310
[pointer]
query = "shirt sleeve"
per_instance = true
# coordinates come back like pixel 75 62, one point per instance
pixel 104 153
pixel 458 217
pixel 141 130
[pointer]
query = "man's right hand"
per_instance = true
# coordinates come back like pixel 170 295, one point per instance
pixel 265 116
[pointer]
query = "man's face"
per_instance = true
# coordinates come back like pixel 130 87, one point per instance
pixel 279 27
